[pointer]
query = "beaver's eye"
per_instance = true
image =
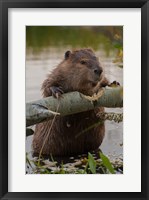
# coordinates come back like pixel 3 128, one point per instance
pixel 83 62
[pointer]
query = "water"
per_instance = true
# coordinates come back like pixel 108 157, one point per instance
pixel 41 63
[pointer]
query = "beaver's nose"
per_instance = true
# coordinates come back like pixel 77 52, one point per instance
pixel 98 71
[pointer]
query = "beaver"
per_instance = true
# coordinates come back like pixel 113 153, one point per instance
pixel 79 71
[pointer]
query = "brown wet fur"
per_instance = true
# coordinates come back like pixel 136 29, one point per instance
pixel 75 73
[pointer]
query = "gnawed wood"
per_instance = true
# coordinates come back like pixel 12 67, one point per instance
pixel 71 103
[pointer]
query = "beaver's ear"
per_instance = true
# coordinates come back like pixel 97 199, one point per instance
pixel 89 49
pixel 67 54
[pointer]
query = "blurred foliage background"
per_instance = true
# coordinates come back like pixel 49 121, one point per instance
pixel 106 38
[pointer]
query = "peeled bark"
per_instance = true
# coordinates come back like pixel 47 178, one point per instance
pixel 71 103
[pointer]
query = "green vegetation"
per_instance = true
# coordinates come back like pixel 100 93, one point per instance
pixel 98 37
pixel 91 163
pixel 106 163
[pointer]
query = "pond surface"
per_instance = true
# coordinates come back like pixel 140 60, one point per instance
pixel 41 63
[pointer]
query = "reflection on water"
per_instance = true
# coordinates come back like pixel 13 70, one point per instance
pixel 38 65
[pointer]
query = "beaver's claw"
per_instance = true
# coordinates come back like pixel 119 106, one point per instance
pixel 56 91
pixel 114 84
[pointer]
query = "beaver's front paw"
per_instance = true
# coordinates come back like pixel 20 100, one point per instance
pixel 56 91
pixel 114 84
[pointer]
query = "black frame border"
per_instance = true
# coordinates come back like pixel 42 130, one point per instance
pixel 4 6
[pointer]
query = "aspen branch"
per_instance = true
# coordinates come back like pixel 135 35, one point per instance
pixel 71 103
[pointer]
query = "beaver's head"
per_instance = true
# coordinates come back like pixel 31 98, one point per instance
pixel 84 68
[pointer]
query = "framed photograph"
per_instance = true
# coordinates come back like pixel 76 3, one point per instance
pixel 74 99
